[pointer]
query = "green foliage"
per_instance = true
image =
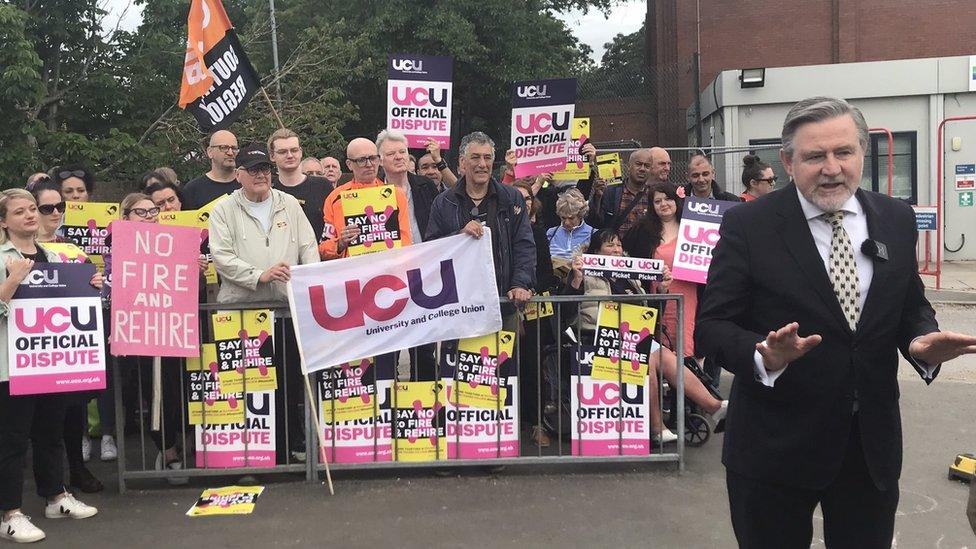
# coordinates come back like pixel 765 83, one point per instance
pixel 622 71
pixel 73 91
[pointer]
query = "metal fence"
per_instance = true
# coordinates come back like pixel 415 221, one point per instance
pixel 553 370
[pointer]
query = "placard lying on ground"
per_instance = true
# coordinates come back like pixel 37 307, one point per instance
pixel 230 500
pixel 55 335
pixel 623 268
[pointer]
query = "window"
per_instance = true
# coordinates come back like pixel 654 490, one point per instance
pixel 904 182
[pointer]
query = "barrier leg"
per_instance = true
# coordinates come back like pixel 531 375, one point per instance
pixel 119 425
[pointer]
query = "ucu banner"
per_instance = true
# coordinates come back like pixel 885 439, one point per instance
pixel 697 237
pixel 419 94
pixel 55 330
pixel 542 116
pixel 387 301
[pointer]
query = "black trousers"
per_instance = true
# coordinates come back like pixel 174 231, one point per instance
pixel 856 513
pixel 38 419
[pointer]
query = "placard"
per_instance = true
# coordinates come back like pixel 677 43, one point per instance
pixel 542 115
pixel 86 224
pixel 697 237
pixel 199 219
pixel 250 443
pixel 375 211
pixel 245 347
pixel 636 324
pixel 419 421
pixel 356 411
pixel 419 98
pixel 55 331
pixel 610 168
pixel 577 165
pixel 205 401
pixel 231 500
pixel 623 267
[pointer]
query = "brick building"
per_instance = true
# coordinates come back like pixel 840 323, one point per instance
pixel 736 34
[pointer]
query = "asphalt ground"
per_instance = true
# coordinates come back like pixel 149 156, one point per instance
pixel 614 505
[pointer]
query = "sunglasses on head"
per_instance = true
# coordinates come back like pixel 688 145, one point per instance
pixel 48 209
pixel 80 174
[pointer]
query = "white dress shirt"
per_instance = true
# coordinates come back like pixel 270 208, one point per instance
pixel 856 225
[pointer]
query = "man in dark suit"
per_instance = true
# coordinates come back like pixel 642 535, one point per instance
pixel 814 418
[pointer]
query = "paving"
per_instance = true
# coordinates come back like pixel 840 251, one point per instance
pixel 535 506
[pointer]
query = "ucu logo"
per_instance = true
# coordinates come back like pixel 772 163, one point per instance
pixel 408 65
pixel 698 235
pixel 608 393
pixel 57 320
pixel 704 208
pixel 361 300
pixel 41 277
pixel 542 122
pixel 531 91
pixel 420 97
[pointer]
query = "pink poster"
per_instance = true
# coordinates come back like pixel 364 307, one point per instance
pixel 155 280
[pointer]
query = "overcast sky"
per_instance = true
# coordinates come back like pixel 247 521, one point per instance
pixel 591 28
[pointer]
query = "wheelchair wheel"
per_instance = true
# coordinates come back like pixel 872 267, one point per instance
pixel 697 430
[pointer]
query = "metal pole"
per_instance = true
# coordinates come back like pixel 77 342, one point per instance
pixel 274 50
pixel 696 74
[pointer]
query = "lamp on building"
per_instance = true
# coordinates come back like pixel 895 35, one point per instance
pixel 752 78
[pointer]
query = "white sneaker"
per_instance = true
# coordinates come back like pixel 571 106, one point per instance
pixel 69 507
pixel 665 437
pixel 20 529
pixel 109 451
pixel 86 448
pixel 175 466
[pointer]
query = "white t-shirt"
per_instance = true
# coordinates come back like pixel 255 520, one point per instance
pixel 261 211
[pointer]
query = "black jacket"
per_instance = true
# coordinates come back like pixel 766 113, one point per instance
pixel 604 216
pixel 717 192
pixel 515 242
pixel 765 273
pixel 424 192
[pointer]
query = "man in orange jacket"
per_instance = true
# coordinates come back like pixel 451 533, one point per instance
pixel 363 161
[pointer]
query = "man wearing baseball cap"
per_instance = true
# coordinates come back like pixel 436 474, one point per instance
pixel 256 235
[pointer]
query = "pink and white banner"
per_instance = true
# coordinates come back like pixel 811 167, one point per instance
pixel 607 421
pixel 419 96
pixel 697 237
pixel 55 332
pixel 373 304
pixel 155 283
pixel 248 444
pixel 542 124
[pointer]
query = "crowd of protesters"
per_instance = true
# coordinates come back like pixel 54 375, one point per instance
pixel 273 208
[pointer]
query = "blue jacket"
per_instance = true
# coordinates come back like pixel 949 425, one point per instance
pixel 516 246
pixel 563 243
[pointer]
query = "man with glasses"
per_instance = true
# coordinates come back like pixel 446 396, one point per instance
pixel 313 166
pixel 256 235
pixel 701 180
pixel 363 160
pixel 620 207
pixel 478 201
pixel 309 190
pixel 221 180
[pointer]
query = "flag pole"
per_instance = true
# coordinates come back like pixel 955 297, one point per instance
pixel 318 435
pixel 274 111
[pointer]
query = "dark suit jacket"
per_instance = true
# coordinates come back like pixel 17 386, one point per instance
pixel 766 273
pixel 424 192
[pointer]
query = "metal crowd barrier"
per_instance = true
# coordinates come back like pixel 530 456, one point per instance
pixel 140 463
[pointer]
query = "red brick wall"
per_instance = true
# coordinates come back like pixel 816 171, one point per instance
pixel 738 34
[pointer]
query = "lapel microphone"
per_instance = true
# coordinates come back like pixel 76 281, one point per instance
pixel 875 249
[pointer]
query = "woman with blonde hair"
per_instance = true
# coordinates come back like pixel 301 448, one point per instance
pixel 573 234
pixel 38 419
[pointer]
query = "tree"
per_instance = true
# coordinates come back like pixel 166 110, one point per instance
pixel 622 72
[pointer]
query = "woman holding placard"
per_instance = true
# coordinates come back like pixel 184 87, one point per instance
pixel 606 242
pixel 50 208
pixel 38 419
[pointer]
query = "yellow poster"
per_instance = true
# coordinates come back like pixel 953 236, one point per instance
pixel 419 421
pixel 610 167
pixel 68 252
pixel 537 310
pixel 348 392
pixel 199 219
pixel 637 325
pixel 206 402
pixel 86 223
pixel 230 500
pixel 374 210
pixel 245 343
pixel 576 165
pixel 479 364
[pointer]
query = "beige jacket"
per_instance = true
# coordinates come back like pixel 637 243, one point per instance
pixel 242 250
